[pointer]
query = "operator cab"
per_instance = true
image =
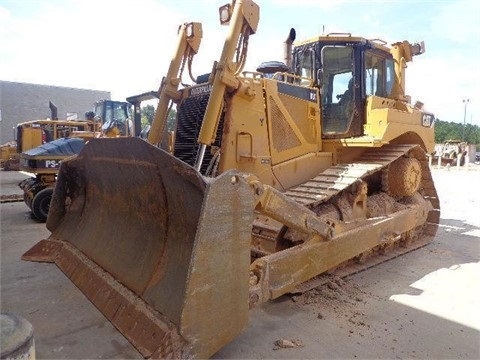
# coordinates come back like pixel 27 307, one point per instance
pixel 115 117
pixel 346 70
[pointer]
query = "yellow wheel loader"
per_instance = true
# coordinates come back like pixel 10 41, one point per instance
pixel 109 119
pixel 274 177
pixel 30 134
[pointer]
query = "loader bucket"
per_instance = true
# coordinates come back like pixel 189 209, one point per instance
pixel 162 251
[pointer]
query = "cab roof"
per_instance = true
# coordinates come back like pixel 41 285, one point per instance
pixel 345 37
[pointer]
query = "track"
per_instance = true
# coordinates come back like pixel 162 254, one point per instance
pixel 325 187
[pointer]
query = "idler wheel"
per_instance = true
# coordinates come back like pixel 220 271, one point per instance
pixel 403 177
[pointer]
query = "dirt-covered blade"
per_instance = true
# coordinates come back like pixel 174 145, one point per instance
pixel 138 230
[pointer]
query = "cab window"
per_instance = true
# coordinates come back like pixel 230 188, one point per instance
pixel 305 67
pixel 337 73
pixel 379 75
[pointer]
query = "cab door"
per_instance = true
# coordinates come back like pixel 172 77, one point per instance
pixel 341 94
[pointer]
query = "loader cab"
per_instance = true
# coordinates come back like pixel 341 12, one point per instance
pixel 136 101
pixel 116 117
pixel 346 70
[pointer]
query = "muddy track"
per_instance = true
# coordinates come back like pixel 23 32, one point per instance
pixel 325 187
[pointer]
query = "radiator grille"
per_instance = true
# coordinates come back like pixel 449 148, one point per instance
pixel 284 137
pixel 189 121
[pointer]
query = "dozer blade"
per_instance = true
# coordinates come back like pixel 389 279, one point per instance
pixel 129 228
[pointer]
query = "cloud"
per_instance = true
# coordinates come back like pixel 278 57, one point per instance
pixel 327 5
pixel 458 21
pixel 91 45
pixel 125 47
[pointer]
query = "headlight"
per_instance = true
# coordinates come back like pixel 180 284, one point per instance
pixel 225 13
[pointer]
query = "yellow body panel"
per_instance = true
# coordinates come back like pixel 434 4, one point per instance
pixel 280 142
pixel 31 138
pixel 293 172
pixel 7 151
pixel 388 120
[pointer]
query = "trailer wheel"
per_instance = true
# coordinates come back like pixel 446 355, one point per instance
pixel 41 204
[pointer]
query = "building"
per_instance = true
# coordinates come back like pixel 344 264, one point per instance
pixel 21 102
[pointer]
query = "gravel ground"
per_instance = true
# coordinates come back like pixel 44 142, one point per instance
pixel 423 304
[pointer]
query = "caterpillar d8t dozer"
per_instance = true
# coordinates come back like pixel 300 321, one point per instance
pixel 273 178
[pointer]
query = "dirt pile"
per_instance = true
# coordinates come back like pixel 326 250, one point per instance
pixel 340 299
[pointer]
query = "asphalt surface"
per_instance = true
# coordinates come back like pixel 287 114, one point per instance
pixel 423 304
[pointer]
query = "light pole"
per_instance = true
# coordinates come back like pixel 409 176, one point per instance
pixel 465 101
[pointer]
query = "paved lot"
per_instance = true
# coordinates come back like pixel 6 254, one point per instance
pixel 420 305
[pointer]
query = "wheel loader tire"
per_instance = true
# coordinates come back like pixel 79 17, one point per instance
pixel 41 204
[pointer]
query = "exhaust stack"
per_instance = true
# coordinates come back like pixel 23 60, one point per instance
pixel 53 110
pixel 288 47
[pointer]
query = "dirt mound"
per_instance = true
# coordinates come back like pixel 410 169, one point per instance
pixel 340 299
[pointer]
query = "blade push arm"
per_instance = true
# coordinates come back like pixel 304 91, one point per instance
pixel 189 38
pixel 243 20
pixel 272 203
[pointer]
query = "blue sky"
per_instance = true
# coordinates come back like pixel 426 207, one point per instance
pixel 124 46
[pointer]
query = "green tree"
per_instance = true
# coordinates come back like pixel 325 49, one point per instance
pixel 445 130
pixel 148 113
pixel 172 120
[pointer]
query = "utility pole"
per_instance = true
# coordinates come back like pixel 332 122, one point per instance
pixel 465 101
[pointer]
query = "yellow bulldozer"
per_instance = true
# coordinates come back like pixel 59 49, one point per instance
pixel 274 177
